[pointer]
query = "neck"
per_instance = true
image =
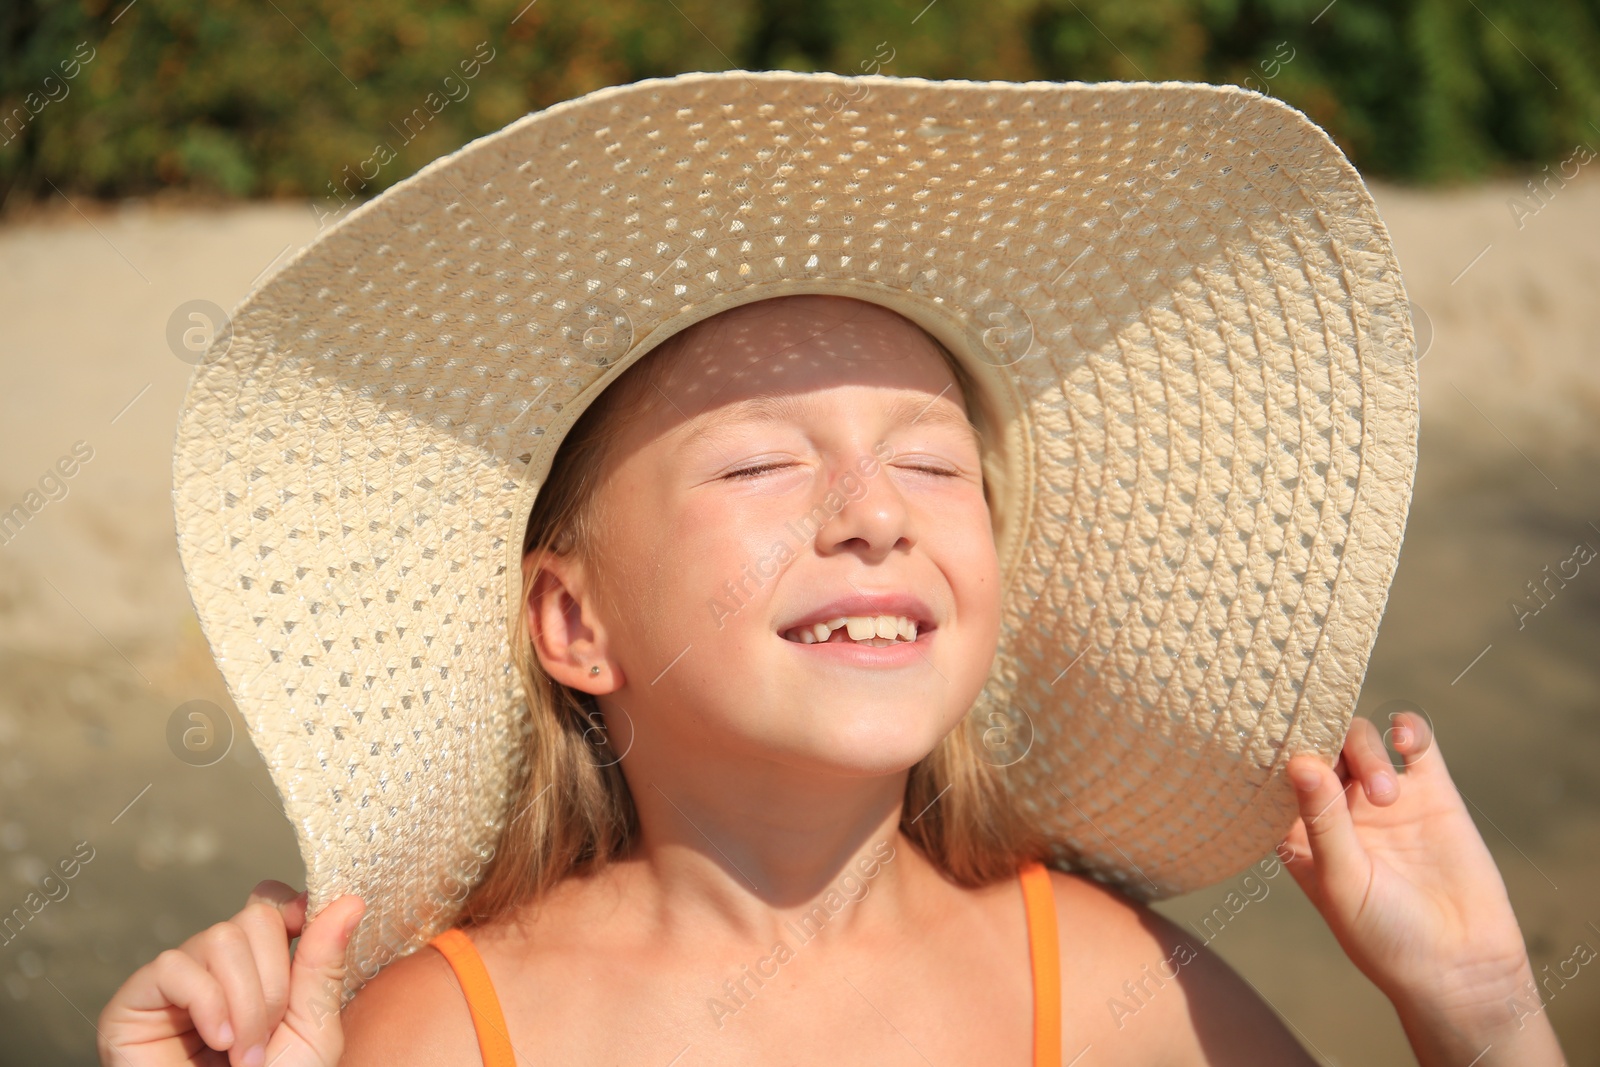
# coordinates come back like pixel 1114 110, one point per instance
pixel 745 849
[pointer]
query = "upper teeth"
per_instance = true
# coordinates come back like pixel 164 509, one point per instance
pixel 858 627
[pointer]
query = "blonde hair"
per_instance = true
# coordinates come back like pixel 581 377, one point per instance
pixel 571 811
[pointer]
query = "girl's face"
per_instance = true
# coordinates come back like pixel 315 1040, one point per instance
pixel 804 459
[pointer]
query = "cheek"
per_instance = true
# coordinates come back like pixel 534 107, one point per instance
pixel 973 570
pixel 985 570
pixel 730 557
pixel 704 569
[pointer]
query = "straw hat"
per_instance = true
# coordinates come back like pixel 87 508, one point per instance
pixel 1185 319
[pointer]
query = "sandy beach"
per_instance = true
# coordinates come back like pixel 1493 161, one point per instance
pixel 99 649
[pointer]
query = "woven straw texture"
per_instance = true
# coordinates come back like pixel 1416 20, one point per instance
pixel 1179 301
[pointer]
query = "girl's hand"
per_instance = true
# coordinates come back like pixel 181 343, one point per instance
pixel 234 987
pixel 1414 898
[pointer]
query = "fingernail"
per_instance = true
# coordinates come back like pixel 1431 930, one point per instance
pixel 1402 735
pixel 1382 784
pixel 255 1057
pixel 1304 777
pixel 225 1034
pixel 351 923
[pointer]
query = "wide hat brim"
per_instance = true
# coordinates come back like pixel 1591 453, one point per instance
pixel 1193 348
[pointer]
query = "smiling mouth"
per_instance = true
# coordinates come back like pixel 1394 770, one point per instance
pixel 874 631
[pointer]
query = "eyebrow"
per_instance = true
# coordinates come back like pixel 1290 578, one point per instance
pixel 903 411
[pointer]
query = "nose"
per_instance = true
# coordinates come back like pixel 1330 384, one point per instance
pixel 862 511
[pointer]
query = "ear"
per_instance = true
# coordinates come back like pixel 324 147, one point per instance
pixel 567 635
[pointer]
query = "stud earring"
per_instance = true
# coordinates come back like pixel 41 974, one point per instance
pixel 595 669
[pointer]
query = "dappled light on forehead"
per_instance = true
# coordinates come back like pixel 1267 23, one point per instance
pixel 905 410
pixel 778 345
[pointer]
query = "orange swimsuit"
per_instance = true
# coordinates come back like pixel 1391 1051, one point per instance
pixel 1043 950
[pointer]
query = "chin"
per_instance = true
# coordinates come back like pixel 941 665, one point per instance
pixel 862 745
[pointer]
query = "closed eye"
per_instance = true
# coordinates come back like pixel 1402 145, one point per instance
pixel 746 472
pixel 925 464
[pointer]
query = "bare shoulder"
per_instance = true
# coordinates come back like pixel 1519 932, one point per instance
pixel 411 1012
pixel 1138 984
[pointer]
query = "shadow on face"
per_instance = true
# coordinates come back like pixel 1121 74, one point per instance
pixel 791 344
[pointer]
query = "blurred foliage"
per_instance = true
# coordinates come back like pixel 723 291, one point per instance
pixel 336 99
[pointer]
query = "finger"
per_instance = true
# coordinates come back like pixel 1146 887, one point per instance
pixel 1340 861
pixel 1412 737
pixel 291 905
pixel 262 920
pixel 180 980
pixel 294 914
pixel 1294 852
pixel 1369 763
pixel 225 951
pixel 280 895
pixel 316 977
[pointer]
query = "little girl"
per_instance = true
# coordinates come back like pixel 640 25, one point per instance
pixel 925 490
pixel 771 774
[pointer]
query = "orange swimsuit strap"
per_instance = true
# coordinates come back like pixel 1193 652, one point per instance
pixel 1044 953
pixel 494 1042
pixel 1044 950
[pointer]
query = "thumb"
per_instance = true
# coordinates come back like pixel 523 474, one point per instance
pixel 316 983
pixel 1340 863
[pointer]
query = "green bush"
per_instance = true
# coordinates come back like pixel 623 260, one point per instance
pixel 338 100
